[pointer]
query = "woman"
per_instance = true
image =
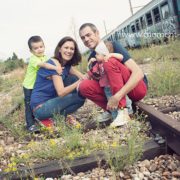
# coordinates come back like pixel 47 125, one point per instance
pixel 56 94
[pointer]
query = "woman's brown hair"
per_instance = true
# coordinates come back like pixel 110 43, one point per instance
pixel 76 59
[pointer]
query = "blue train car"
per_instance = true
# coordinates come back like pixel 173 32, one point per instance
pixel 153 23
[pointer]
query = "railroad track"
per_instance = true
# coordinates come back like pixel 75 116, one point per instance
pixel 164 125
pixel 161 124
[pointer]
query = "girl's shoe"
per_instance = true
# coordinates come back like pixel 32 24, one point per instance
pixel 121 119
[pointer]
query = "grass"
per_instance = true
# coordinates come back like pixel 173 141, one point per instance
pixel 9 81
pixel 15 124
pixel 164 79
pixel 119 155
pixel 11 90
pixel 155 52
pixel 83 66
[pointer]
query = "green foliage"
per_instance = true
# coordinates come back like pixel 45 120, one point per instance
pixel 125 154
pixel 73 139
pixel 14 56
pixel 155 52
pixel 82 67
pixel 11 63
pixel 17 127
pixel 164 79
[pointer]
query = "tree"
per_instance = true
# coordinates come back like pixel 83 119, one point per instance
pixel 14 56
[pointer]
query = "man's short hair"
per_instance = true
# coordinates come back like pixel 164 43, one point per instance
pixel 92 26
pixel 34 39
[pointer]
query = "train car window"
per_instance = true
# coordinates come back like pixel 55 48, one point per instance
pixel 116 36
pixel 143 22
pixel 133 29
pixel 137 25
pixel 149 19
pixel 125 30
pixel 119 34
pixel 128 29
pixel 156 15
pixel 165 10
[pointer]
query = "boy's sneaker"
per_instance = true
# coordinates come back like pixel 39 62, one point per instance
pixel 33 129
pixel 121 119
pixel 71 120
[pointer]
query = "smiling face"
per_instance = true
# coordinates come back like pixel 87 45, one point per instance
pixel 37 48
pixel 89 37
pixel 67 50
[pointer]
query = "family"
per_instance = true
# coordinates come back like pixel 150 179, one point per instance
pixel 54 86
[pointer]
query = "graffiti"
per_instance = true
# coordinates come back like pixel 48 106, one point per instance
pixel 169 26
pixel 150 34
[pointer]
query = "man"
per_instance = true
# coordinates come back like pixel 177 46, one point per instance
pixel 91 38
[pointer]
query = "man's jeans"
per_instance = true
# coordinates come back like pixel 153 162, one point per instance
pixel 28 112
pixel 61 105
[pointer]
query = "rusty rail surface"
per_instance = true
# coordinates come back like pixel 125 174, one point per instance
pixel 164 125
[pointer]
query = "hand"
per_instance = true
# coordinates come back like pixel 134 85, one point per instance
pixel 59 69
pixel 85 77
pixel 107 57
pixel 113 103
pixel 78 83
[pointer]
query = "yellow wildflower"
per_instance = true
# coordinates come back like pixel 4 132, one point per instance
pixel 114 144
pixel 52 142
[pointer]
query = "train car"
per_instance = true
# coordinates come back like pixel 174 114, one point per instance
pixel 153 23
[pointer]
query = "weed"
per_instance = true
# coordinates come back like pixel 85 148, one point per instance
pixel 164 79
pixel 119 155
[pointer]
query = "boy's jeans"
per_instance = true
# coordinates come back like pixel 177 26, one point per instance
pixel 61 105
pixel 108 94
pixel 28 112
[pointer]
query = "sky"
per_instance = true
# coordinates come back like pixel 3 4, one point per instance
pixel 54 19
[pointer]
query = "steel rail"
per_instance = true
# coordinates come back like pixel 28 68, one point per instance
pixel 164 125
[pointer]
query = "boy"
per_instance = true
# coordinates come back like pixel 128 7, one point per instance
pixel 37 60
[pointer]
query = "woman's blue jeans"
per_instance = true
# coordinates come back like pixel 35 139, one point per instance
pixel 60 105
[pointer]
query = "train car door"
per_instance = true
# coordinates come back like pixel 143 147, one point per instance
pixel 176 4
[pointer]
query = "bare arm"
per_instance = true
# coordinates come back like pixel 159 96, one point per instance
pixel 59 86
pixel 77 73
pixel 114 55
pixel 57 67
pixel 136 75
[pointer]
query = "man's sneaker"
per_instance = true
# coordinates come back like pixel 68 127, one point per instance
pixel 71 120
pixel 33 129
pixel 105 116
pixel 121 119
pixel 129 105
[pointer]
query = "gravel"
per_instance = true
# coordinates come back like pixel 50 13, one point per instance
pixel 160 168
pixel 164 102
